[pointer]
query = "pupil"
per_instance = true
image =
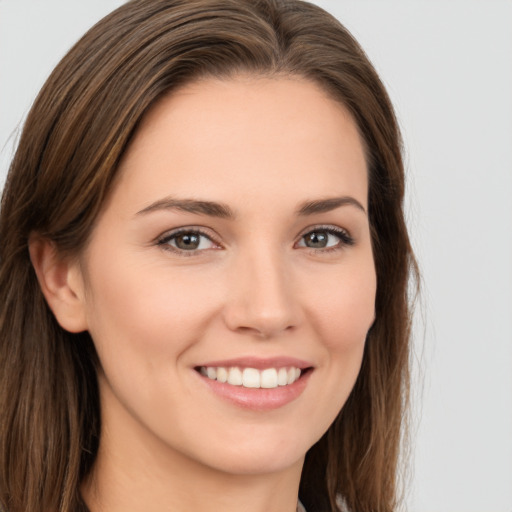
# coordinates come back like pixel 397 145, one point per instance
pixel 187 241
pixel 317 240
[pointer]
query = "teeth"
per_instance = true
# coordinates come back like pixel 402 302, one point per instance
pixel 269 378
pixel 282 376
pixel 251 377
pixel 222 374
pixel 235 377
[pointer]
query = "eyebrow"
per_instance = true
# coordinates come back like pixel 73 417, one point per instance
pixel 223 211
pixel 327 205
pixel 210 208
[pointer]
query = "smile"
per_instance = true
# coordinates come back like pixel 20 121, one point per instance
pixel 260 384
pixel 267 378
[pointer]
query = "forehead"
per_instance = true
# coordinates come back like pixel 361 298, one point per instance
pixel 250 136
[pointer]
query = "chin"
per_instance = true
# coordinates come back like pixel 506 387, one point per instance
pixel 259 454
pixel 264 462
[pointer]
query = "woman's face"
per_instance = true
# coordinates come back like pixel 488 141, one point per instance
pixel 235 246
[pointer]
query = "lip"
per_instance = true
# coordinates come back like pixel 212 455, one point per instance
pixel 260 363
pixel 259 399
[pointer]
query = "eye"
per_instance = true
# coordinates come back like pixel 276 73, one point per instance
pixel 325 238
pixel 187 240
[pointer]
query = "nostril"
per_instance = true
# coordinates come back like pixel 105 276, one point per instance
pixel 265 331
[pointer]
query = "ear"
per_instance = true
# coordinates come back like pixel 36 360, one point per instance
pixel 61 283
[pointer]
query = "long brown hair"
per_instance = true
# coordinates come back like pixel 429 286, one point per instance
pixel 74 137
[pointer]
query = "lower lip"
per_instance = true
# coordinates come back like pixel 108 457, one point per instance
pixel 258 399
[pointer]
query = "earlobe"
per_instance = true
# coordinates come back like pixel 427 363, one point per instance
pixel 61 283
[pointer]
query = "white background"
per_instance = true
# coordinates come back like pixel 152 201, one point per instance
pixel 448 68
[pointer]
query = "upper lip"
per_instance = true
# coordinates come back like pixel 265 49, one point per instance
pixel 259 363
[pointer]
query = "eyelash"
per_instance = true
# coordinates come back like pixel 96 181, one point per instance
pixel 345 239
pixel 163 241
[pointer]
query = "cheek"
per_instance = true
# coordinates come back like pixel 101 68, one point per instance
pixel 341 311
pixel 146 312
pixel 345 309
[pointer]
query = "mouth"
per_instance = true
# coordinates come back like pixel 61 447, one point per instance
pixel 254 378
pixel 257 384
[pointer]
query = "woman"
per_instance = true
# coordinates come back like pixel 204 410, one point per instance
pixel 204 270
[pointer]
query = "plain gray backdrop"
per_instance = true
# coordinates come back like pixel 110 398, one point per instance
pixel 448 68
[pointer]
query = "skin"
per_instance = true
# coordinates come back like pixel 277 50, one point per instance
pixel 263 147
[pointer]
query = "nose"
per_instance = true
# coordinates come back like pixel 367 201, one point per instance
pixel 261 299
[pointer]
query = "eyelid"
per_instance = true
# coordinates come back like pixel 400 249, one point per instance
pixel 163 239
pixel 344 236
pixel 346 239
